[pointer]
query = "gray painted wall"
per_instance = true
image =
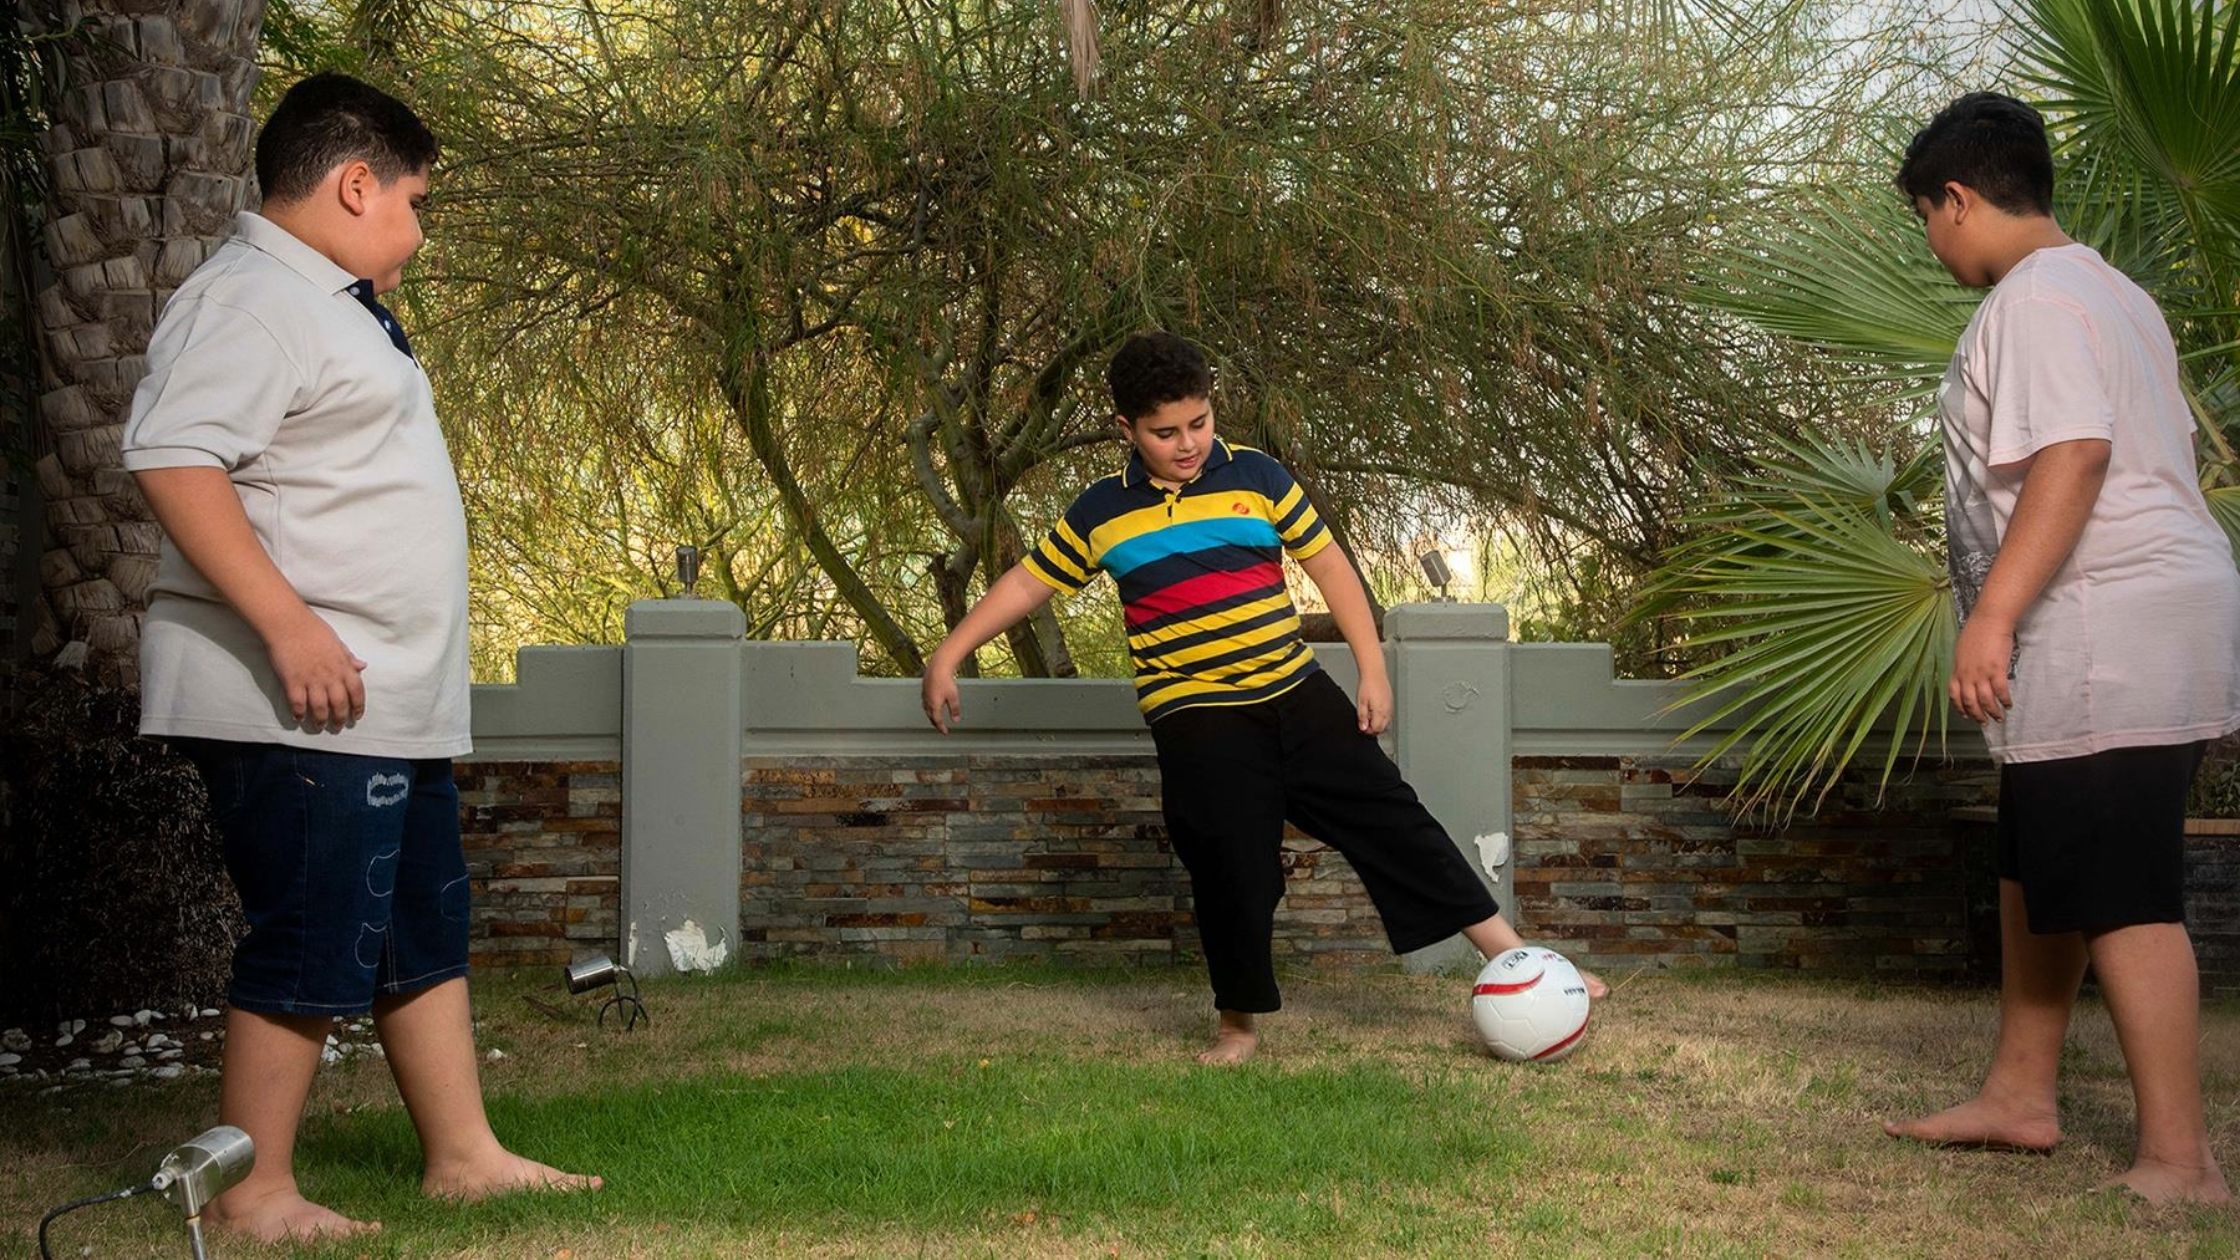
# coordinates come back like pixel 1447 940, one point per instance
pixel 687 698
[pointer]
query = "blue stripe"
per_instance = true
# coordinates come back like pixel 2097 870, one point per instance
pixel 1158 575
pixel 1186 536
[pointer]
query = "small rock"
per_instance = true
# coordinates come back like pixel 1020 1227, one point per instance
pixel 121 1021
pixel 157 1041
pixel 10 1060
pixel 169 1055
pixel 331 1040
pixel 79 1065
pixel 15 1039
pixel 51 1089
pixel 209 1012
pixel 109 1042
pixel 495 1054
pixel 143 1017
pixel 330 1055
pixel 130 1047
pixel 209 1036
pixel 64 1040
pixel 132 1061
pixel 71 1027
pixel 168 1072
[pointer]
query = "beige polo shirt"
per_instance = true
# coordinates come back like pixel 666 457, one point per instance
pixel 264 365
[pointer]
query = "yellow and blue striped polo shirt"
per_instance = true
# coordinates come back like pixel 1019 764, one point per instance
pixel 1200 572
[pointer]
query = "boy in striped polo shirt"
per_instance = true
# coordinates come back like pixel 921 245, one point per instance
pixel 1250 731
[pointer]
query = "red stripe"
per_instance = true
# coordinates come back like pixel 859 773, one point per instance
pixel 1199 591
pixel 1518 987
pixel 1557 1048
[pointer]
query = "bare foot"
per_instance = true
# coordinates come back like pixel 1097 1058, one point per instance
pixel 500 1172
pixel 1596 989
pixel 1233 1042
pixel 280 1214
pixel 1987 1125
pixel 2160 1183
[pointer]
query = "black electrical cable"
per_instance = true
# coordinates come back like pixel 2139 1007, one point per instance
pixel 144 1187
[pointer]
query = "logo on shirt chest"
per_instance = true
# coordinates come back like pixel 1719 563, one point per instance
pixel 1240 509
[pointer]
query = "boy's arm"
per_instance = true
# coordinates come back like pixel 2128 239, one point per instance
pixel 1014 597
pixel 2049 516
pixel 1333 575
pixel 199 508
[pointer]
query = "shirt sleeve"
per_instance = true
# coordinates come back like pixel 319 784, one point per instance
pixel 217 388
pixel 1062 560
pixel 2042 374
pixel 1301 529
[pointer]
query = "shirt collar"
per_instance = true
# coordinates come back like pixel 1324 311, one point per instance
pixel 1136 474
pixel 262 233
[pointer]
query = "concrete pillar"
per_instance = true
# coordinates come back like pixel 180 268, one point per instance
pixel 681 734
pixel 1450 684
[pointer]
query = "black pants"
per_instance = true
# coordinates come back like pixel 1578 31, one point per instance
pixel 1231 777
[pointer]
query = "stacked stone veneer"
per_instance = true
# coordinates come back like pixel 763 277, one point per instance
pixel 1621 861
pixel 544 852
pixel 1630 860
pixel 991 857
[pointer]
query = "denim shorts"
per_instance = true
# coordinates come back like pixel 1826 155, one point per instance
pixel 350 872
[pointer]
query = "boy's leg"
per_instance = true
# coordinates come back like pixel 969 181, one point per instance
pixel 2153 990
pixel 2038 980
pixel 1340 787
pixel 305 857
pixel 422 1013
pixel 269 1063
pixel 1223 803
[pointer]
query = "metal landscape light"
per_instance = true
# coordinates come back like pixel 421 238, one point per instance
pixel 592 973
pixel 688 571
pixel 191 1176
pixel 1435 567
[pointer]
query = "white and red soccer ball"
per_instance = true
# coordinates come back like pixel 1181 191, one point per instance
pixel 1531 1006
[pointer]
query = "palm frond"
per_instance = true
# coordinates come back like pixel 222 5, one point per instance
pixel 1850 273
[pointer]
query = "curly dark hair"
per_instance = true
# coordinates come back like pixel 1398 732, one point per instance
pixel 1156 368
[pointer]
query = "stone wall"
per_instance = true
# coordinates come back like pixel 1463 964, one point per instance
pixel 544 854
pixel 1623 861
pixel 993 857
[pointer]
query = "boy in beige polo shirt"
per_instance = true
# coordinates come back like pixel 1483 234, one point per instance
pixel 2100 641
pixel 306 644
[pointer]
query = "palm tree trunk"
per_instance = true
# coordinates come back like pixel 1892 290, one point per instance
pixel 149 157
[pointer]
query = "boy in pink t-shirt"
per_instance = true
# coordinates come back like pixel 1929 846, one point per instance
pixel 2099 644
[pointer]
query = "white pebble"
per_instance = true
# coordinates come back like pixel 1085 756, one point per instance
pixel 64 1040
pixel 121 1021
pixel 10 1060
pixel 330 1055
pixel 78 1065
pixel 132 1061
pixel 168 1072
pixel 157 1041
pixel 51 1089
pixel 108 1042
pixel 168 1055
pixel 209 1036
pixel 209 1012
pixel 143 1016
pixel 15 1039
pixel 495 1054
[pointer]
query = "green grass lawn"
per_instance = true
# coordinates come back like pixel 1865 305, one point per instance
pixel 1035 1112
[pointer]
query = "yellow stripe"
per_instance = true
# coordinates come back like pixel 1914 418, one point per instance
pixel 1199 507
pixel 1033 561
pixel 1286 630
pixel 1167 690
pixel 1314 548
pixel 1150 639
pixel 1065 531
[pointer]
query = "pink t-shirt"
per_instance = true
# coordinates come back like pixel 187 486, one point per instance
pixel 2136 638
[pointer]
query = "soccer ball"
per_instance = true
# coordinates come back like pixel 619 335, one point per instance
pixel 1531 1006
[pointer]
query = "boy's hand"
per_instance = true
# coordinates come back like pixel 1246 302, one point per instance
pixel 937 691
pixel 1979 669
pixel 318 674
pixel 1375 705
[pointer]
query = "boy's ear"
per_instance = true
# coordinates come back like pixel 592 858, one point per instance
pixel 355 185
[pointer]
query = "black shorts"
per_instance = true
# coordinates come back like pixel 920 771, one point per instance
pixel 2099 842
